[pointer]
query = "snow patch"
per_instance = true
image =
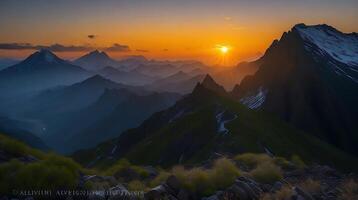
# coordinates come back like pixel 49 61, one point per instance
pixel 255 101
pixel 221 121
pixel 341 47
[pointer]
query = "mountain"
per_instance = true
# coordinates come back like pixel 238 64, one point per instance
pixel 95 60
pixel 6 62
pixel 39 71
pixel 204 124
pixel 309 79
pixel 113 114
pixel 179 82
pixel 73 97
pixel 234 75
pixel 12 128
pixel 131 62
pixel 127 77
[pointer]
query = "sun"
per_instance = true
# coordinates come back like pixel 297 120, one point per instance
pixel 224 49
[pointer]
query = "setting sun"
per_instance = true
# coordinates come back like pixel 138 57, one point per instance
pixel 224 49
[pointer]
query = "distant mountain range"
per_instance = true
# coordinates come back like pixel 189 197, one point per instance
pixel 95 60
pixel 39 71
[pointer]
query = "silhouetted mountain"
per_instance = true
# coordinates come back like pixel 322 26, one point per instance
pixel 132 77
pixel 204 124
pixel 121 113
pixel 309 78
pixel 95 60
pixel 179 82
pixel 211 85
pixel 39 71
pixel 234 75
pixel 6 62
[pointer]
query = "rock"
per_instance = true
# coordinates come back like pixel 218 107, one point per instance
pixel 151 171
pixel 155 193
pixel 277 186
pixel 120 192
pixel 300 194
pixel 235 192
pixel 183 195
pixel 173 183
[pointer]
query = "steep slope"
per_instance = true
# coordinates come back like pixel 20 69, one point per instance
pixel 204 124
pixel 95 60
pixel 39 71
pixel 308 78
pixel 12 128
pixel 120 115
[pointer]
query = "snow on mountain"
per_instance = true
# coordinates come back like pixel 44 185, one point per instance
pixel 255 101
pixel 340 46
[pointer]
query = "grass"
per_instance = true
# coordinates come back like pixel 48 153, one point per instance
pixel 349 190
pixel 49 171
pixel 285 193
pixel 206 181
pixel 125 171
pixel 267 173
pixel 311 186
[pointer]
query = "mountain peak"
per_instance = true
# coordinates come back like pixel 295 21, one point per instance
pixel 322 38
pixel 210 84
pixel 42 56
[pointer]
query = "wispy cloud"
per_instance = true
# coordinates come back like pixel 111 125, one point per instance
pixel 118 48
pixel 165 50
pixel 142 50
pixel 53 47
pixel 64 48
pixel 92 36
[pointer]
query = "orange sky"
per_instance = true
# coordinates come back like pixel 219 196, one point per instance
pixel 167 29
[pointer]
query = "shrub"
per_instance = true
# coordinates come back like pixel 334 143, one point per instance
pixel 283 163
pixel 252 160
pixel 207 181
pixel 224 173
pixel 311 186
pixel 44 174
pixel 136 185
pixel 349 190
pixel 160 178
pixel 123 169
pixel 267 173
pixel 17 148
pixel 298 162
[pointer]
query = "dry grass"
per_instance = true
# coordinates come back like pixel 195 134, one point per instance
pixel 311 186
pixel 267 173
pixel 349 190
pixel 285 193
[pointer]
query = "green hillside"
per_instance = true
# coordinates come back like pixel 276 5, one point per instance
pixel 193 136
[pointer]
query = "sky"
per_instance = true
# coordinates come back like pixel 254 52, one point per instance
pixel 162 29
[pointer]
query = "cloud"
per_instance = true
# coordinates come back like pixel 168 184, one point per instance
pixel 16 46
pixel 62 48
pixel 165 50
pixel 117 47
pixel 92 36
pixel 142 50
pixel 65 48
pixel 228 18
pixel 53 47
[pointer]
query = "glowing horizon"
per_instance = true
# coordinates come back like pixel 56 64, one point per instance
pixel 170 30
